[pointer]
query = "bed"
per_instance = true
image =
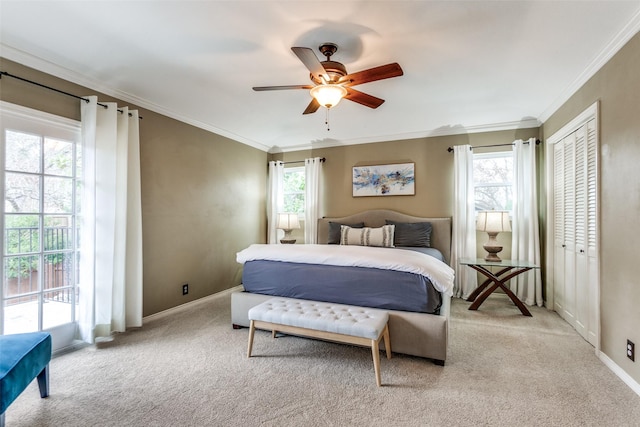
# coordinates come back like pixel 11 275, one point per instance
pixel 418 308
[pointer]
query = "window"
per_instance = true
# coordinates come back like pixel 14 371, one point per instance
pixel 493 180
pixel 294 179
pixel 40 245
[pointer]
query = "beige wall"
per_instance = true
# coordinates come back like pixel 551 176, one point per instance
pixel 203 200
pixel 433 171
pixel 617 88
pixel 203 195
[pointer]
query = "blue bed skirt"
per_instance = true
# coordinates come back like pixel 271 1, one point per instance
pixel 366 287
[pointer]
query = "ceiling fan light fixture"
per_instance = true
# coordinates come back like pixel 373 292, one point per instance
pixel 328 95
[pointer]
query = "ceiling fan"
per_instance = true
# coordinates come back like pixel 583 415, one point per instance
pixel 331 82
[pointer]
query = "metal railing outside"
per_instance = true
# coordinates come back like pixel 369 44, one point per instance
pixel 21 267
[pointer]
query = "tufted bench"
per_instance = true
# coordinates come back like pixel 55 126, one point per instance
pixel 23 357
pixel 335 322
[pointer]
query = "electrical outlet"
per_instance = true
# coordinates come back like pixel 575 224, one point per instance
pixel 631 350
pixel 185 289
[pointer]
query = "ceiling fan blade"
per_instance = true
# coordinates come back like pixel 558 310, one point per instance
pixel 312 107
pixel 310 60
pixel 262 88
pixel 363 98
pixel 372 74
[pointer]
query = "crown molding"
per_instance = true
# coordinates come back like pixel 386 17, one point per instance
pixel 614 46
pixel 618 41
pixel 79 79
pixel 441 131
pixel 45 66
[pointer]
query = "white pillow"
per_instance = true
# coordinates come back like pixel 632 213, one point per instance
pixel 367 236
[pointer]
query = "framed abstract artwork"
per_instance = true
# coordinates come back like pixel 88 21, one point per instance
pixel 384 180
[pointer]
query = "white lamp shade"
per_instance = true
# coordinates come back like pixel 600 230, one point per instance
pixel 288 221
pixel 328 95
pixel 493 221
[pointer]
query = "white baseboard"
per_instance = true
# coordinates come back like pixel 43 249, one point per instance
pixel 633 384
pixel 190 304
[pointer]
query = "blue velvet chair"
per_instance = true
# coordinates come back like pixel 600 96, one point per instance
pixel 23 357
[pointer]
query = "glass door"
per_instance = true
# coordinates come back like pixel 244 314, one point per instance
pixel 40 243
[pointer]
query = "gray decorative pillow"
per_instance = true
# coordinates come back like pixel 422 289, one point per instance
pixel 367 236
pixel 334 231
pixel 415 234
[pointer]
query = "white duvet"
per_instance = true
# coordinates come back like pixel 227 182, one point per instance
pixel 440 274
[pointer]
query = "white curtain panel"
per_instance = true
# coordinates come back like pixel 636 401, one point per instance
pixel 525 237
pixel 312 171
pixel 275 199
pixel 111 221
pixel 463 243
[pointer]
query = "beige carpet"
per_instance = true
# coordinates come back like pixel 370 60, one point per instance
pixel 190 369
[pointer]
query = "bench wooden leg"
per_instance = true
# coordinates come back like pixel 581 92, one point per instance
pixel 252 329
pixel 387 341
pixel 376 360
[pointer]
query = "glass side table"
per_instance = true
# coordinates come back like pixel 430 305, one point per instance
pixel 498 279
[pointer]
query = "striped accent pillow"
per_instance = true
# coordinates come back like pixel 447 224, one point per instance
pixel 367 236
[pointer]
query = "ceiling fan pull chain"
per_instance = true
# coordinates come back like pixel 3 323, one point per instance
pixel 326 120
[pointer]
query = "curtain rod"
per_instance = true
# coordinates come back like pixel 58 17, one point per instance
pixel 450 149
pixel 4 73
pixel 322 160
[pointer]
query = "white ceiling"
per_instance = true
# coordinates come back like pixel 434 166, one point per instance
pixel 468 65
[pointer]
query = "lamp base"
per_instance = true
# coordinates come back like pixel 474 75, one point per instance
pixel 492 253
pixel 287 238
pixel 492 247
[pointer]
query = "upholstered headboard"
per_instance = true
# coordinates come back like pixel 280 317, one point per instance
pixel 440 233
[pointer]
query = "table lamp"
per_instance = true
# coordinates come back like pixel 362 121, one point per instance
pixel 493 222
pixel 287 222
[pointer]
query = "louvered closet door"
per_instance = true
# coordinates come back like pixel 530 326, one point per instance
pixel 575 269
pixel 569 242
pixel 558 231
pixel 581 272
pixel 591 224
